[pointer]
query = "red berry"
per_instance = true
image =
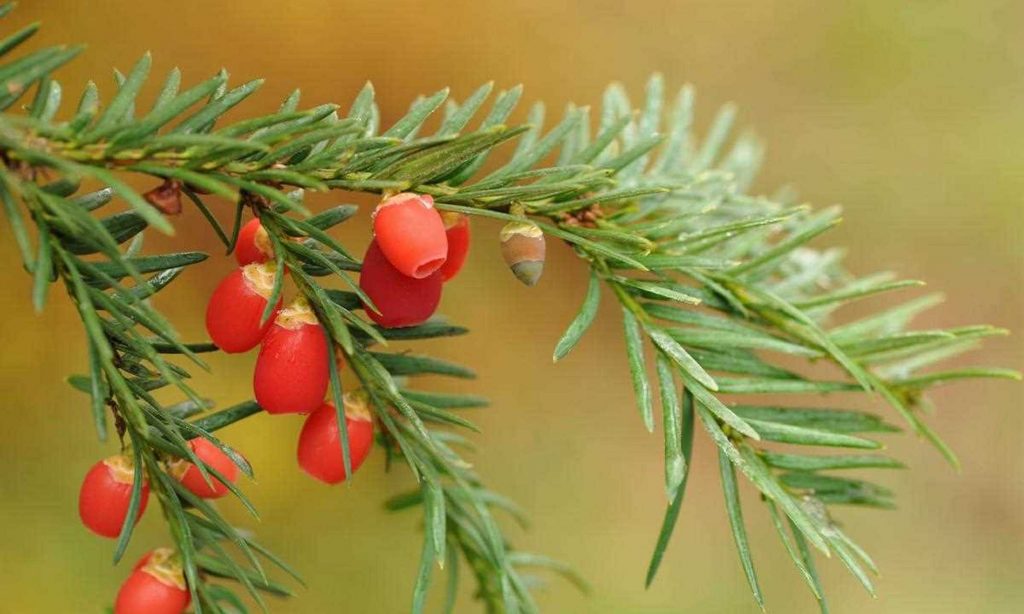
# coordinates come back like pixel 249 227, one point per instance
pixel 402 301
pixel 234 312
pixel 155 586
pixel 191 478
pixel 457 229
pixel 411 234
pixel 292 373
pixel 105 495
pixel 320 440
pixel 253 244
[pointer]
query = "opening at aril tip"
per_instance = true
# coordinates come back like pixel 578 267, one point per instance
pixel 428 268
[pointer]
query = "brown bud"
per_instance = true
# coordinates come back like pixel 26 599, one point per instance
pixel 523 248
pixel 166 197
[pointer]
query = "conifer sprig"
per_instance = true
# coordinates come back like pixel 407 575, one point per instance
pixel 720 293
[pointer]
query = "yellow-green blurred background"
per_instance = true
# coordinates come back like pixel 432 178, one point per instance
pixel 911 114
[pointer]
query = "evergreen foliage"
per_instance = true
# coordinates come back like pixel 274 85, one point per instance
pixel 720 295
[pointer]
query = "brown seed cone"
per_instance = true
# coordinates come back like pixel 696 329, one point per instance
pixel 523 248
pixel 166 197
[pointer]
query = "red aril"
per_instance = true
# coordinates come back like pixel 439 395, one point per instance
pixel 411 234
pixel 253 245
pixel 457 230
pixel 155 586
pixel 400 300
pixel 236 307
pixel 192 479
pixel 292 373
pixel 106 493
pixel 320 440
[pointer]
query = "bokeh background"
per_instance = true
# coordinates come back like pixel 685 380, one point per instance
pixel 911 114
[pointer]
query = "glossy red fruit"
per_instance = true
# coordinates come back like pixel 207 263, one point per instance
pixel 292 373
pixel 105 495
pixel 155 586
pixel 253 244
pixel 320 440
pixel 457 230
pixel 192 479
pixel 234 312
pixel 411 234
pixel 401 301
